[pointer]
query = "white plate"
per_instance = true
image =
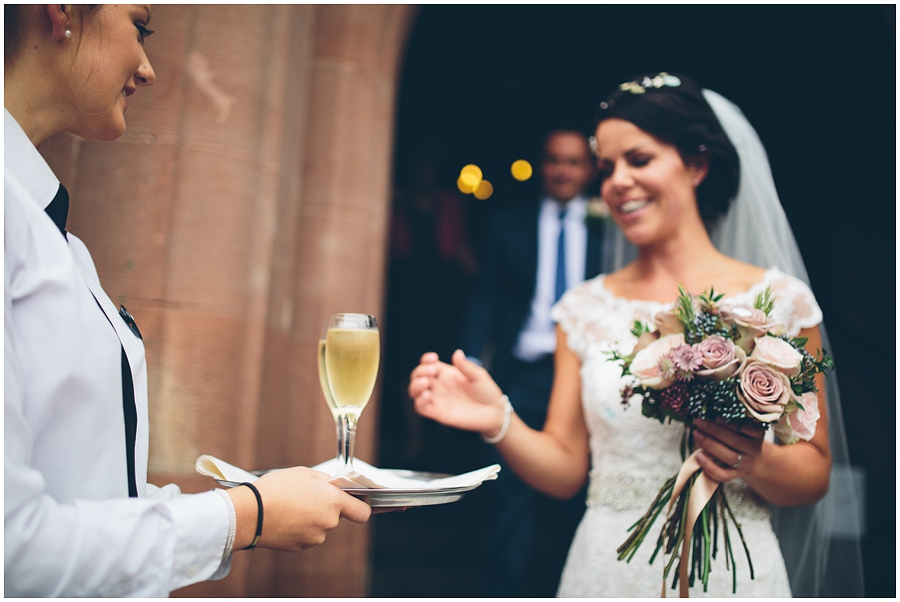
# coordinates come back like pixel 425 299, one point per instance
pixel 398 498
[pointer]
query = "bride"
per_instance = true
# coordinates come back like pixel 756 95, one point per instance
pixel 669 172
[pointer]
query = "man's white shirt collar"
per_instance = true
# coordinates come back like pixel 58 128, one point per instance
pixel 577 207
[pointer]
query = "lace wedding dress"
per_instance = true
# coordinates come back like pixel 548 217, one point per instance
pixel 633 455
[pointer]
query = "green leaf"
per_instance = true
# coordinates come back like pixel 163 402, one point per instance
pixel 765 301
pixel 684 309
pixel 639 328
pixel 710 298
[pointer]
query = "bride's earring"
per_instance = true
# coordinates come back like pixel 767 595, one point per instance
pixel 68 33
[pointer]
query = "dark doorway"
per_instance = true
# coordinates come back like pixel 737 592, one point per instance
pixel 480 83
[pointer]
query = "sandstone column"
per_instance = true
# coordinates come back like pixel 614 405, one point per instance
pixel 247 201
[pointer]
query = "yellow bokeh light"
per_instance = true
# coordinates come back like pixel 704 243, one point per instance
pixel 484 190
pixel 474 170
pixel 468 182
pixel 466 185
pixel 521 170
pixel 470 179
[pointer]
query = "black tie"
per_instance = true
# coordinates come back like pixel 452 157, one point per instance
pixel 58 210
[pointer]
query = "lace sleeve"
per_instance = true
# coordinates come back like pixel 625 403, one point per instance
pixel 795 305
pixel 566 314
pixel 594 319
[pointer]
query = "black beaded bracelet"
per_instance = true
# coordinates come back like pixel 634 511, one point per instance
pixel 259 520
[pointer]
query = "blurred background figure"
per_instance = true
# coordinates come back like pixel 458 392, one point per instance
pixel 536 246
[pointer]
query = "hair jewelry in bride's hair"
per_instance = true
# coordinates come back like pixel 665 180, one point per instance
pixel 659 80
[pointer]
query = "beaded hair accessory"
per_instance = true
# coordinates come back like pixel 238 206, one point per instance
pixel 659 80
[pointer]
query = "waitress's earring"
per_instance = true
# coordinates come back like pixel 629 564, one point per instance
pixel 68 33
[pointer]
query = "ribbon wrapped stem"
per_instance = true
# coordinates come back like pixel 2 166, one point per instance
pixel 694 505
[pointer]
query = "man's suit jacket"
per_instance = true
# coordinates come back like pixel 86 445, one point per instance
pixel 501 298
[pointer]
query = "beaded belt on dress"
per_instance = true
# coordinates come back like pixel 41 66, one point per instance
pixel 622 491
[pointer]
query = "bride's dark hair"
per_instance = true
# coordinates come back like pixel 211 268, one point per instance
pixel 672 109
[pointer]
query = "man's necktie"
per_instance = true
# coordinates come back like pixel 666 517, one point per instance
pixel 58 210
pixel 561 257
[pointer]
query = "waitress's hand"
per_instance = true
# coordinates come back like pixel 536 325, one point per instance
pixel 728 452
pixel 299 508
pixel 461 395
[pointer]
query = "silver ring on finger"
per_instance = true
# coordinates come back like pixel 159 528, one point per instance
pixel 738 463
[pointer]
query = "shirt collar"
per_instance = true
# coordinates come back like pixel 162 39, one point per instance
pixel 577 207
pixel 25 164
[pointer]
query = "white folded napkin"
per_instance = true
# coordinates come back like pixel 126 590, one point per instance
pixel 365 476
pixel 222 470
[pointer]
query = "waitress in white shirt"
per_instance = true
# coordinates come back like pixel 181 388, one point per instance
pixel 80 518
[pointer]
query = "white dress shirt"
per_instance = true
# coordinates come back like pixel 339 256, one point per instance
pixel 70 528
pixel 538 338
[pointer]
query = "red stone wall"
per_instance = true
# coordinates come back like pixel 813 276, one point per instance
pixel 247 202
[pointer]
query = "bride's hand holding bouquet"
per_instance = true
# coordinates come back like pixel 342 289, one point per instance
pixel 727 452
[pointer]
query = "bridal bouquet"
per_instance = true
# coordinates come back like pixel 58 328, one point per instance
pixel 705 361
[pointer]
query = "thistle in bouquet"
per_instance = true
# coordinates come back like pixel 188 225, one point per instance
pixel 703 360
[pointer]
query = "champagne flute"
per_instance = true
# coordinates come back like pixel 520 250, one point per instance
pixel 351 355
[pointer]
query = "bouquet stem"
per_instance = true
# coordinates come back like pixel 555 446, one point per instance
pixel 697 520
pixel 641 527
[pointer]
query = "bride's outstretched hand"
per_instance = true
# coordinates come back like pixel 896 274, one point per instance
pixel 462 394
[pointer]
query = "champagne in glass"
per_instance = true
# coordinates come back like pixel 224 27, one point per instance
pixel 352 354
pixel 329 398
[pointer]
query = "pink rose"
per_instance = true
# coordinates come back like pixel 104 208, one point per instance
pixel 751 324
pixel 764 391
pixel 720 357
pixel 779 354
pixel 645 365
pixel 799 423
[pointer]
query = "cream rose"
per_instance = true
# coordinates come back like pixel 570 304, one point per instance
pixel 798 423
pixel 763 390
pixel 645 365
pixel 720 357
pixel 751 324
pixel 644 340
pixel 779 354
pixel 667 322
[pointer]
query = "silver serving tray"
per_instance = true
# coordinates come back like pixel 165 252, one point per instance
pixel 398 498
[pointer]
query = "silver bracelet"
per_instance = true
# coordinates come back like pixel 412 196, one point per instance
pixel 232 524
pixel 507 412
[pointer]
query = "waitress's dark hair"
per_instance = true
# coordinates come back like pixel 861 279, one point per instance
pixel 12 32
pixel 14 22
pixel 671 108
